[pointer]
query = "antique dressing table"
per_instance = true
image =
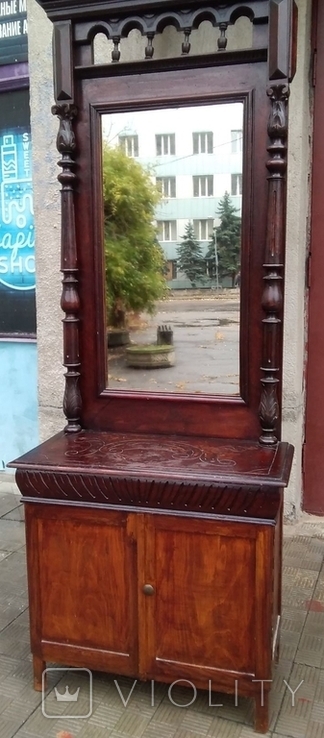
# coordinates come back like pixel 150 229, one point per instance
pixel 154 519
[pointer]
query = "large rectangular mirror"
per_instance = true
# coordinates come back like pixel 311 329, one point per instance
pixel 195 147
pixel 172 203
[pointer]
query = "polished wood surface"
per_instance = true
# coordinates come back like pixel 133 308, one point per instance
pixel 183 414
pixel 198 596
pixel 155 596
pixel 86 611
pixel 154 522
pixel 210 460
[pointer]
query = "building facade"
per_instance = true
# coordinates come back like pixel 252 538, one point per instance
pixel 194 155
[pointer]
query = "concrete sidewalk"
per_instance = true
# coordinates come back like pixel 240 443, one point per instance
pixel 301 662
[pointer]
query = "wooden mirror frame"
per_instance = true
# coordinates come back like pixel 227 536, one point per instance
pixel 258 76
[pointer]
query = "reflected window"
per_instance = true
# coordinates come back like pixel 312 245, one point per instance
pixel 236 141
pixel 167 186
pixel 167 230
pixel 202 142
pixel 129 145
pixel 203 229
pixel 165 144
pixel 236 184
pixel 203 186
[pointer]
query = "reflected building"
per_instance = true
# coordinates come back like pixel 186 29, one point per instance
pixel 194 155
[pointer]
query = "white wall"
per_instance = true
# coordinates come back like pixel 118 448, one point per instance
pixel 47 223
pixel 297 236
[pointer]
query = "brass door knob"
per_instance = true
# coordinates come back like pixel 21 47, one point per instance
pixel 148 589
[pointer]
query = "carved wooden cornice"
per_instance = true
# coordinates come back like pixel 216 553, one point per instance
pixel 63 9
pixel 76 25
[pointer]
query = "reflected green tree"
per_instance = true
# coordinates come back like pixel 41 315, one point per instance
pixel 134 260
pixel 228 240
pixel 190 257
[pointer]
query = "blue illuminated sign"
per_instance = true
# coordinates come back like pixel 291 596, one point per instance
pixel 17 258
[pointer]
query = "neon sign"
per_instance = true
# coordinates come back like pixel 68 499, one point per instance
pixel 13 31
pixel 17 258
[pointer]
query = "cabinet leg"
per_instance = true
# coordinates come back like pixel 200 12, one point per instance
pixel 261 718
pixel 38 667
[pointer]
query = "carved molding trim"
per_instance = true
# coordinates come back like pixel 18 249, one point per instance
pixel 63 9
pixel 272 299
pixel 70 302
pixel 184 20
pixel 148 494
pixel 157 22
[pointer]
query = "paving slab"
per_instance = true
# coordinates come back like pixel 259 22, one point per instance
pixel 8 485
pixel 8 503
pixel 12 535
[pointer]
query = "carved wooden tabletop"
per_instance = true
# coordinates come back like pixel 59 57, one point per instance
pixel 161 457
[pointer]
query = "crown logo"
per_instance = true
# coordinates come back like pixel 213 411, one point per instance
pixel 66 697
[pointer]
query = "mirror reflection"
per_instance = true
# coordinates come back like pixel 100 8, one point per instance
pixel 172 192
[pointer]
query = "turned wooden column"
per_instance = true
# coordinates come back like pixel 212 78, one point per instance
pixel 70 301
pixel 272 300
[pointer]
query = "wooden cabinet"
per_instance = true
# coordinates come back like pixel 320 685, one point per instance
pixel 151 577
pixel 154 596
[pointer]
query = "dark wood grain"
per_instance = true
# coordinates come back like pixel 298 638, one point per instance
pixel 62 52
pixel 70 301
pixel 272 301
pixel 164 603
pixel 282 49
pixel 183 80
pixel 64 9
pixel 77 609
pixel 154 523
pixel 106 409
pixel 193 499
pixel 195 598
pixel 172 458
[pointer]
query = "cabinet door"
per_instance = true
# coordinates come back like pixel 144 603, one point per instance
pixel 82 579
pixel 209 616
